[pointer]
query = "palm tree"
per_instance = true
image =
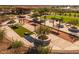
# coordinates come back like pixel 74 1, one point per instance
pixel 35 19
pixel 60 21
pixel 65 14
pixel 43 30
pixel 44 20
pixel 40 12
pixel 74 15
pixel 70 14
pixel 52 21
pixel 16 44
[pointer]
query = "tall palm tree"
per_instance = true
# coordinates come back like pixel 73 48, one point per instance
pixel 35 19
pixel 40 12
pixel 60 21
pixel 44 20
pixel 43 31
pixel 52 21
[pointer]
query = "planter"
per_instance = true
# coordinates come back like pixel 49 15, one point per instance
pixel 42 42
pixel 73 30
pixel 43 37
pixel 39 42
pixel 45 42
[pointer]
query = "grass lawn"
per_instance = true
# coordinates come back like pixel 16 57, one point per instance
pixel 66 18
pixel 21 30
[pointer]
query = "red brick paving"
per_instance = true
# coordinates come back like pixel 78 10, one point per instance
pixel 64 35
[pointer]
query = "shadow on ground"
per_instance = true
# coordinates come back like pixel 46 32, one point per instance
pixel 34 40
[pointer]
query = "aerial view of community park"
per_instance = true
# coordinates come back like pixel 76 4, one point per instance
pixel 39 29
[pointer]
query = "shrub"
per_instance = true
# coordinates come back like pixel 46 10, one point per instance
pixel 12 21
pixel 16 44
pixel 74 27
pixel 40 50
pixel 43 37
pixel 2 34
pixel 44 50
pixel 43 30
pixel 13 26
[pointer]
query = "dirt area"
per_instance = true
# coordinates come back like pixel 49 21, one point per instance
pixel 5 44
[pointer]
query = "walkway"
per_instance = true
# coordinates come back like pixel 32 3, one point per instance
pixel 61 34
pixel 57 43
pixel 64 35
pixel 65 29
pixel 12 36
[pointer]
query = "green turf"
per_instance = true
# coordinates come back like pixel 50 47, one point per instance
pixel 65 18
pixel 21 30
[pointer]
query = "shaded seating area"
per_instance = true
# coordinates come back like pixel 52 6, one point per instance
pixel 60 26
pixel 38 21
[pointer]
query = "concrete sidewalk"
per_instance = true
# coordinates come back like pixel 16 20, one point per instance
pixel 65 29
pixel 12 35
pixel 57 43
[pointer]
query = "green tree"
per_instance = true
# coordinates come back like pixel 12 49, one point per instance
pixel 53 21
pixel 74 22
pixel 43 30
pixel 70 14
